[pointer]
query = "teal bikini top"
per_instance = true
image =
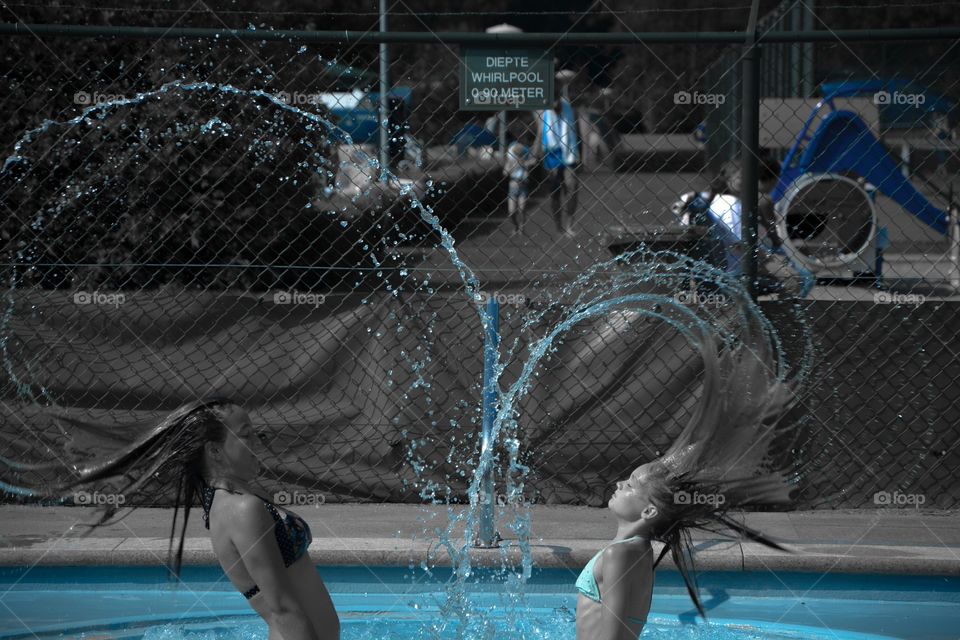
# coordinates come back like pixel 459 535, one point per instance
pixel 586 583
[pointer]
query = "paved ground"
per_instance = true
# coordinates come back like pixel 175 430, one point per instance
pixel 870 541
pixel 917 260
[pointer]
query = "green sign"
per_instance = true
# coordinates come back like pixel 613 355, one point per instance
pixel 506 79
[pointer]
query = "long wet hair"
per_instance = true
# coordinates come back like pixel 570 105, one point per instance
pixel 731 454
pixel 169 455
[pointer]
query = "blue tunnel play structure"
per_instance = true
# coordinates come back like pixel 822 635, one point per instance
pixel 844 143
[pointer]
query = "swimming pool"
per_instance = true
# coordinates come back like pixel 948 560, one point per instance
pixel 391 602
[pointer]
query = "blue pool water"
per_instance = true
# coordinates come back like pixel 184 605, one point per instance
pixel 387 603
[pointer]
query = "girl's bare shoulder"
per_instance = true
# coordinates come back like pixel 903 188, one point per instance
pixel 240 508
pixel 631 553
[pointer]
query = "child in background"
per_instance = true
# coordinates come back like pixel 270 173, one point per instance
pixel 517 162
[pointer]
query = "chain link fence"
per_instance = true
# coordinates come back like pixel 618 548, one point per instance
pixel 195 216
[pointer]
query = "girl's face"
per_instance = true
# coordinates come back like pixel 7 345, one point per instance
pixel 239 452
pixel 631 501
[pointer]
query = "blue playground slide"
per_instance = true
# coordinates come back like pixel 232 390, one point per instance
pixel 843 142
pixel 894 114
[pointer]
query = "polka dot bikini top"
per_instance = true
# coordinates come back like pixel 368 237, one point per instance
pixel 292 532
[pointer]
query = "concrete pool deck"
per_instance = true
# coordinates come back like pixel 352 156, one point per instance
pixel 896 541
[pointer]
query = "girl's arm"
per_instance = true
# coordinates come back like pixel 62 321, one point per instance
pixel 627 589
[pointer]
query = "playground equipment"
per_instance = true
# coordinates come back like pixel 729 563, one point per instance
pixel 718 216
pixel 826 191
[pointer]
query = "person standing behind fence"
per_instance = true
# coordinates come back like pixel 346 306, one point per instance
pixel 560 145
pixel 517 162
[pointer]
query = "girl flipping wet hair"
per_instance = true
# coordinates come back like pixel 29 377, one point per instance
pixel 726 457
pixel 207 451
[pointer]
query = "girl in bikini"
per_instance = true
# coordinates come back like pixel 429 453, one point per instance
pixel 208 451
pixel 722 459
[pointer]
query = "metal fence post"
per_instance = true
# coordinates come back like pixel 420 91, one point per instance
pixel 954 221
pixel 808 51
pixel 487 534
pixel 384 98
pixel 749 154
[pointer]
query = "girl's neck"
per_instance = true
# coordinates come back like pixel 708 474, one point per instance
pixel 627 530
pixel 229 482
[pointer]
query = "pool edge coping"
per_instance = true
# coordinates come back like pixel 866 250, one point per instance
pixel 569 554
